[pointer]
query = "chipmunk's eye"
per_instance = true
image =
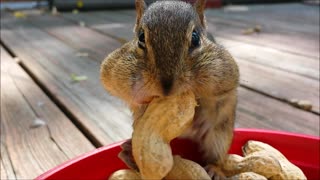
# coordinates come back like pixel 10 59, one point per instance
pixel 195 40
pixel 141 42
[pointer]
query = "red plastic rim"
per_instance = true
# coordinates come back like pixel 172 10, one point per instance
pixel 302 150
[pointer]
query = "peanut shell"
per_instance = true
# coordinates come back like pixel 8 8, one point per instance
pixel 186 169
pixel 164 119
pixel 125 174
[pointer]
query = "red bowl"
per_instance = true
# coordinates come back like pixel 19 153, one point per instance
pixel 302 150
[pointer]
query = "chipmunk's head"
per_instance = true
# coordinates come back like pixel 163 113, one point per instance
pixel 169 54
pixel 167 32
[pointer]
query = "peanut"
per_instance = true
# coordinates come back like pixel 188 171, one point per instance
pixel 247 176
pixel 262 159
pixel 230 165
pixel 125 174
pixel 254 146
pixel 257 162
pixel 287 169
pixel 164 119
pixel 185 169
pixel 260 163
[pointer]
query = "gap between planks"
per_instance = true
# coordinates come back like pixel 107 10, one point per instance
pixel 55 100
pixel 86 104
pixel 28 151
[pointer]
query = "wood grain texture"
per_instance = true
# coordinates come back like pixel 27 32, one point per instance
pixel 36 134
pixel 267 55
pixel 48 46
pixel 288 27
pixel 122 31
pixel 102 117
pixel 265 69
pixel 297 64
pixel 83 39
pixel 95 44
pixel 258 111
pixel 6 168
pixel 282 27
pixel 268 37
pixel 280 84
pixel 288 16
pixel 246 117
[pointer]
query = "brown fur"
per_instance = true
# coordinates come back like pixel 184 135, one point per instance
pixel 134 74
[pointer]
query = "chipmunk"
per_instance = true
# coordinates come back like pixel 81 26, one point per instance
pixel 169 54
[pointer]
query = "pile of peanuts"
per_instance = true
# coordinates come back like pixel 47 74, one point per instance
pixel 167 118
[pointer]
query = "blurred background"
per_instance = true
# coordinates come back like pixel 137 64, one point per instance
pixel 101 4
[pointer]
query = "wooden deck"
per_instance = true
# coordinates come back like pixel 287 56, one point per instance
pixel 48 118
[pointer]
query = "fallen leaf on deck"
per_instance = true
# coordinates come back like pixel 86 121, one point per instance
pixel 75 11
pixel 54 11
pixel 79 4
pixel 19 14
pixel 256 29
pixel 82 23
pixel 302 104
pixel 37 123
pixel 77 78
pixel 40 103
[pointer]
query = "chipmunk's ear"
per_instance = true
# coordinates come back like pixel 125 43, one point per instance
pixel 140 7
pixel 200 6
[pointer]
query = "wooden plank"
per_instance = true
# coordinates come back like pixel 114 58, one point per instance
pixel 128 16
pixel 269 56
pixel 92 44
pixel 281 17
pixel 116 24
pixel 280 84
pixel 122 31
pixel 278 34
pixel 278 112
pixel 34 149
pixel 292 13
pixel 297 64
pixel 246 113
pixel 264 79
pixel 297 43
pixel 292 22
pixel 104 118
pixel 6 169
pixel 258 111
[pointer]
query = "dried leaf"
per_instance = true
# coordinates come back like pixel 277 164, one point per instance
pixel 257 28
pixel 75 11
pixel 77 78
pixel 302 104
pixel 79 4
pixel 54 11
pixel 19 14
pixel 40 103
pixel 37 123
pixel 248 31
pixel 82 23
pixel 252 30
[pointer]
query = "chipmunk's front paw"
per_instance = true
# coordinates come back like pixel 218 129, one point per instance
pixel 126 155
pixel 215 172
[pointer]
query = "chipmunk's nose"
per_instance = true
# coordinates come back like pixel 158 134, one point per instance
pixel 167 84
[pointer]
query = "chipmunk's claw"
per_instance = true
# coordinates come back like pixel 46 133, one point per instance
pixel 215 172
pixel 126 155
